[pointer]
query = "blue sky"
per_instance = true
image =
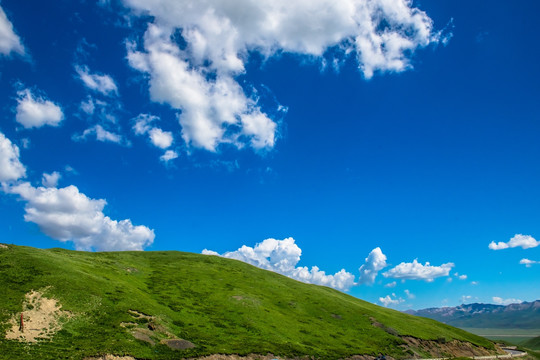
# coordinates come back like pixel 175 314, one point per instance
pixel 391 145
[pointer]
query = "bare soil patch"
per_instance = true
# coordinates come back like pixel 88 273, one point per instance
pixel 42 318
pixel 453 348
pixel 110 357
pixel 178 344
pixel 4 246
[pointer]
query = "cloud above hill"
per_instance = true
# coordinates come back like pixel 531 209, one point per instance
pixel 282 256
pixel 66 214
pixel 417 271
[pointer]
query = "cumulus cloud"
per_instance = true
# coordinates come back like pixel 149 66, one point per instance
pixel 100 83
pixel 9 41
pixel 390 300
pixel 200 78
pixel 161 139
pixel 66 214
pixel 500 301
pixel 375 262
pixel 158 137
pixel 528 263
pixel 51 180
pixel 391 285
pixel 37 111
pixel 11 168
pixel 213 111
pixel 417 271
pixel 519 240
pixel 282 256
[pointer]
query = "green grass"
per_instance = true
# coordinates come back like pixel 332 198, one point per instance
pixel 533 344
pixel 221 305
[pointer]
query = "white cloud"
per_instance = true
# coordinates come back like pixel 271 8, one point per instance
pixel 380 33
pixel 282 256
pixel 375 262
pixel 462 277
pixel 417 271
pixel 9 41
pixel 51 180
pixel 391 285
pixel 100 83
pixel 101 135
pixel 474 282
pixel 409 294
pixel 161 139
pixel 213 111
pixel 528 263
pixel 36 111
pixel 11 167
pixel 465 298
pixel 200 79
pixel 168 156
pixel 519 240
pixel 500 301
pixel 388 300
pixel 65 214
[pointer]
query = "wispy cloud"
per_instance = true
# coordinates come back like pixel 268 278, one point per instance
pixel 101 83
pixel 500 301
pixel 9 41
pixel 528 263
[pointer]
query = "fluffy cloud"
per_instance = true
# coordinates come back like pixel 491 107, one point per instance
pixel 409 294
pixel 519 240
pixel 100 83
pixel 11 167
pixel 391 285
pixel 417 271
pixel 213 111
pixel 500 301
pixel 159 138
pixel 380 33
pixel 36 111
pixel 528 263
pixel 66 214
pixel 51 180
pixel 390 300
pixel 199 79
pixel 375 262
pixel 281 256
pixel 9 41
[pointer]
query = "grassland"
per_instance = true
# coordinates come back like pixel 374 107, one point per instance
pixel 220 305
pixel 513 336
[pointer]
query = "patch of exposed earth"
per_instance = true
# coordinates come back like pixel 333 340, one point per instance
pixel 452 348
pixel 42 318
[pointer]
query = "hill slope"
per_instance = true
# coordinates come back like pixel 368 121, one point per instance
pixel 523 316
pixel 533 343
pixel 132 303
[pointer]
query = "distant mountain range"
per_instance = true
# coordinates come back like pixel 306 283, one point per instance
pixel 514 316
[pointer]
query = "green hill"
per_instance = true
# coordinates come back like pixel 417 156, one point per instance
pixel 170 305
pixel 533 344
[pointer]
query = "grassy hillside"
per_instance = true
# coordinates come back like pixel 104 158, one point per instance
pixel 220 305
pixel 533 343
